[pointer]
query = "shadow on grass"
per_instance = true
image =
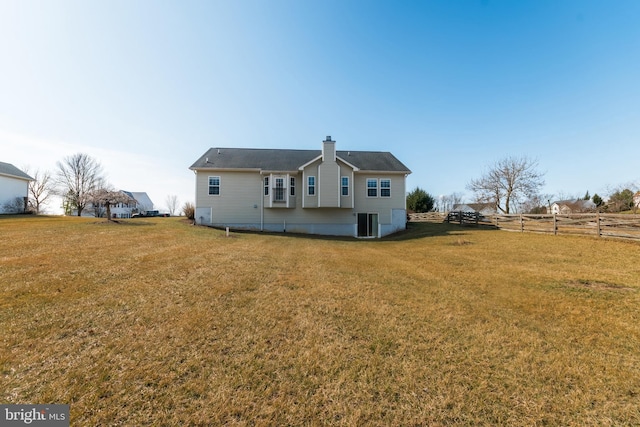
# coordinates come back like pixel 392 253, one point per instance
pixel 123 222
pixel 415 230
pixel 420 230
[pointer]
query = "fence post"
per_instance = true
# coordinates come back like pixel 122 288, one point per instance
pixel 598 223
pixel 460 215
pixel 521 224
pixel 555 225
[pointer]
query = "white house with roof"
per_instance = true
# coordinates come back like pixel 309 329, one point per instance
pixel 14 187
pixel 566 207
pixel 328 192
pixel 140 203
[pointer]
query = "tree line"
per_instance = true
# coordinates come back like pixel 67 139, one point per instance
pixel 79 180
pixel 513 184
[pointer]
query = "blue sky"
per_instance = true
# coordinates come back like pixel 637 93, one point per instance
pixel 449 87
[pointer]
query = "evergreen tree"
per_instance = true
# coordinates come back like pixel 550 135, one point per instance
pixel 420 201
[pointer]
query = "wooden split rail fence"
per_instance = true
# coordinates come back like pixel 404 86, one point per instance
pixel 625 226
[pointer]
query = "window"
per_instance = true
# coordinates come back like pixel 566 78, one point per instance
pixel 372 187
pixel 214 185
pixel 266 185
pixel 278 191
pixel 344 183
pixel 385 188
pixel 292 186
pixel 311 186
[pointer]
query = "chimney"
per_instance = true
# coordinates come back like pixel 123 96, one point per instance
pixel 328 150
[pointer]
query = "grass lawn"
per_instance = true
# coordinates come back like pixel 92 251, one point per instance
pixel 157 322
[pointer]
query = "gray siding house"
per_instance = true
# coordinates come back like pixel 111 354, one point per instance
pixel 328 192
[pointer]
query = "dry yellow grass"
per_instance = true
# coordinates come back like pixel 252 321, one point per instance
pixel 156 322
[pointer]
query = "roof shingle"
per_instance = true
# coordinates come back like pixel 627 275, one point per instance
pixel 291 160
pixel 9 169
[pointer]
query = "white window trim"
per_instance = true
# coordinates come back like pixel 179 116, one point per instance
pixel 315 186
pixel 377 188
pixel 342 186
pixel 209 185
pixel 284 188
pixel 380 187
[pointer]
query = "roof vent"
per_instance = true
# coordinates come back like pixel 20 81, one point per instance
pixel 328 138
pixel 218 151
pixel 206 160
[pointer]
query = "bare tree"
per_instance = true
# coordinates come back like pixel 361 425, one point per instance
pixel 508 181
pixel 172 204
pixel 78 176
pixel 40 189
pixel 105 197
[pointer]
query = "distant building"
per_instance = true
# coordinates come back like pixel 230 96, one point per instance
pixel 481 208
pixel 14 189
pixel 140 203
pixel 565 207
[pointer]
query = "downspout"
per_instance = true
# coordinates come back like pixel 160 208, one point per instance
pixel 262 202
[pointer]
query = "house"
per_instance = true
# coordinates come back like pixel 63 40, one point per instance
pixel 140 203
pixel 636 200
pixel 565 207
pixel 14 189
pixel 328 192
pixel 481 208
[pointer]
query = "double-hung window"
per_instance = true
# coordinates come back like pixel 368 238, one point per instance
pixel 372 187
pixel 214 185
pixel 292 186
pixel 266 185
pixel 278 191
pixel 311 186
pixel 385 188
pixel 344 185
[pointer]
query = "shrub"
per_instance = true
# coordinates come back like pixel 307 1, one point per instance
pixel 189 210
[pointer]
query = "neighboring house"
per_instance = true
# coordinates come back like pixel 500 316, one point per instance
pixel 636 200
pixel 481 208
pixel 14 189
pixel 140 203
pixel 565 207
pixel 328 192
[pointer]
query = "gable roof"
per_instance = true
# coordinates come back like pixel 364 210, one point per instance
pixel 140 197
pixel 12 171
pixel 291 160
pixel 576 204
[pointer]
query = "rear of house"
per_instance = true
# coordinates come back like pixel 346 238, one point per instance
pixel 329 192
